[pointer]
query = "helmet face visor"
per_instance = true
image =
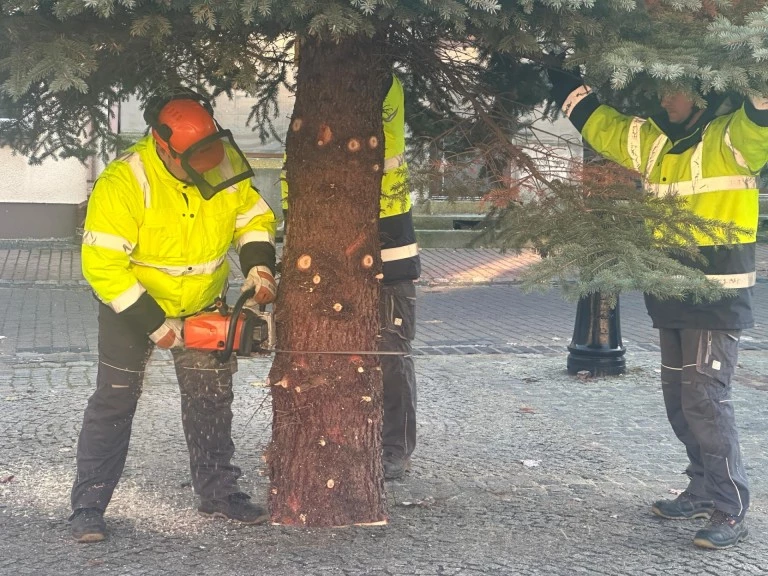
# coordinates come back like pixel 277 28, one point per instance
pixel 215 163
pixel 207 157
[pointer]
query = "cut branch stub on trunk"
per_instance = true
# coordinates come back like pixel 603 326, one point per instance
pixel 325 135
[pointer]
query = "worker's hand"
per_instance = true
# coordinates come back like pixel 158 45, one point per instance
pixel 563 82
pixel 260 278
pixel 169 334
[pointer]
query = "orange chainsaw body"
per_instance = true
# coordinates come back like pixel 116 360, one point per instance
pixel 208 331
pixel 253 331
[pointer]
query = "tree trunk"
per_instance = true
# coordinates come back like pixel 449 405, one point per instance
pixel 324 459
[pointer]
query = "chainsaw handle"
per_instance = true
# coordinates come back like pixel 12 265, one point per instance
pixel 229 346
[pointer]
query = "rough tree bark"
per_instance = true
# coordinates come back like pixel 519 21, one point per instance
pixel 324 458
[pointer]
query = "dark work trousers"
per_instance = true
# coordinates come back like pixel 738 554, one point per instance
pixel 206 401
pixel 696 370
pixel 397 309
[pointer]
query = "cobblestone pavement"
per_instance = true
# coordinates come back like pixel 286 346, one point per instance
pixel 58 263
pixel 469 506
pixel 493 394
pixel 469 302
pixel 472 319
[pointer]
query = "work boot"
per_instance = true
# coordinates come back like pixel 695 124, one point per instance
pixel 395 467
pixel 722 531
pixel 234 507
pixel 685 506
pixel 87 525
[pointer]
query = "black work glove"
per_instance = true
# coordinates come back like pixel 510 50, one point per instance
pixel 563 83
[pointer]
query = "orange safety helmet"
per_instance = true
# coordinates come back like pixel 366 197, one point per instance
pixel 184 128
pixel 182 123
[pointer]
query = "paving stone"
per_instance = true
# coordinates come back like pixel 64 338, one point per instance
pixel 493 393
pixel 604 446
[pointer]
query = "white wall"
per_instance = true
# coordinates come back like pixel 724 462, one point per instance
pixel 52 182
pixel 69 181
pixel 554 146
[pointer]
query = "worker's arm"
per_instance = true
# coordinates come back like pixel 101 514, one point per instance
pixel 747 134
pixel 624 139
pixel 111 232
pixel 255 241
pixel 284 185
pixel 254 236
pixel 284 197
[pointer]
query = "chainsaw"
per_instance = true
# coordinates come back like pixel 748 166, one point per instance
pixel 246 331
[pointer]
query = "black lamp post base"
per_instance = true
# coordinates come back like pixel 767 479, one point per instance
pixel 597 365
pixel 596 345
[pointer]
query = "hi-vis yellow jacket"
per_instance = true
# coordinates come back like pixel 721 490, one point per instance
pixel 147 233
pixel 399 250
pixel 714 167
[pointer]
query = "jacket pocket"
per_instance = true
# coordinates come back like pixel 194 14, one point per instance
pixel 160 236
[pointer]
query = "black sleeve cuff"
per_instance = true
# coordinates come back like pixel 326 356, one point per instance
pixel 257 254
pixel 144 315
pixel 583 110
pixel 759 117
pixel 560 91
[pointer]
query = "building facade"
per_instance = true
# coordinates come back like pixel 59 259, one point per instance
pixel 47 201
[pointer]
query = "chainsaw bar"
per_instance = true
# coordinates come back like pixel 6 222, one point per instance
pixel 339 353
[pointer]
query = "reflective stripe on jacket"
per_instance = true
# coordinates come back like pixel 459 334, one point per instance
pixel 147 231
pixel 714 168
pixel 399 250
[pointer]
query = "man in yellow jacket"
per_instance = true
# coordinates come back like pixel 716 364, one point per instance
pixel 711 159
pixel 160 222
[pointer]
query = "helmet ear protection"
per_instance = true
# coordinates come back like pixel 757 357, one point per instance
pixel 157 102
